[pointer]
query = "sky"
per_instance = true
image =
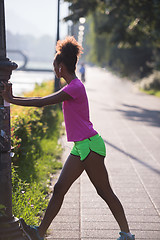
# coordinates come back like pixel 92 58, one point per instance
pixel 35 17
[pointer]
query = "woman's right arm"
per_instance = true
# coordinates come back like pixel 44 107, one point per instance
pixel 54 98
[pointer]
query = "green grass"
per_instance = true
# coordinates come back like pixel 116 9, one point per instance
pixel 152 92
pixel 49 162
pixel 28 200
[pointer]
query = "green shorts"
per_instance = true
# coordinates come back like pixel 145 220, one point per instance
pixel 83 148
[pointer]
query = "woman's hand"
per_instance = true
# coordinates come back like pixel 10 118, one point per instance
pixel 7 92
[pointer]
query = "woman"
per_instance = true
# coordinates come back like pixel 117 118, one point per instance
pixel 88 152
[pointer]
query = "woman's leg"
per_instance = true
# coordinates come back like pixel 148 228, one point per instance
pixel 97 172
pixel 71 171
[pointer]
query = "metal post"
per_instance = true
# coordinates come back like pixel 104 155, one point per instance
pixel 57 80
pixel 9 226
pixel 58 13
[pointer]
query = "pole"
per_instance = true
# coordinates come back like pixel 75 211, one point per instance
pixel 9 226
pixel 58 17
pixel 57 80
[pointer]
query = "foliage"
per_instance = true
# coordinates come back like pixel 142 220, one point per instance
pixel 81 8
pixel 2 210
pixel 34 139
pixel 132 62
pixel 132 22
pixel 151 84
pixel 32 129
pixel 124 35
pixel 151 92
pixel 29 200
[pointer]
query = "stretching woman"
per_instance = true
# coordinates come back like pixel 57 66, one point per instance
pixel 88 152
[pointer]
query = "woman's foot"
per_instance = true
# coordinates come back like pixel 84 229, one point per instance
pixel 30 231
pixel 126 236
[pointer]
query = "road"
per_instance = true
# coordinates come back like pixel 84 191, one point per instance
pixel 129 122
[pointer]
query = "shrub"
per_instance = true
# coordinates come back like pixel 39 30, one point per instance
pixel 34 139
pixel 151 82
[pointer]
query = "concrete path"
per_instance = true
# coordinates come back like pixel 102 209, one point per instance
pixel 129 122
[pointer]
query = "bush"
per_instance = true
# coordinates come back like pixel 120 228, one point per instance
pixel 30 131
pixel 34 139
pixel 151 82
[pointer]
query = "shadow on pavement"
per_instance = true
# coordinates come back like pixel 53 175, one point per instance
pixel 135 113
pixel 133 157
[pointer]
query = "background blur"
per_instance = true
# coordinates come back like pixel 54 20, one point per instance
pixel 31 27
pixel 121 36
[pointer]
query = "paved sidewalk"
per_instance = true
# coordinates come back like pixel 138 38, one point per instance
pixel 129 123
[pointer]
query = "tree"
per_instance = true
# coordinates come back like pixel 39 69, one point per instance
pixel 131 22
pixel 81 8
pixel 123 34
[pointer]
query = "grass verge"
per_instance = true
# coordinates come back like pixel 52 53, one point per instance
pixel 151 92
